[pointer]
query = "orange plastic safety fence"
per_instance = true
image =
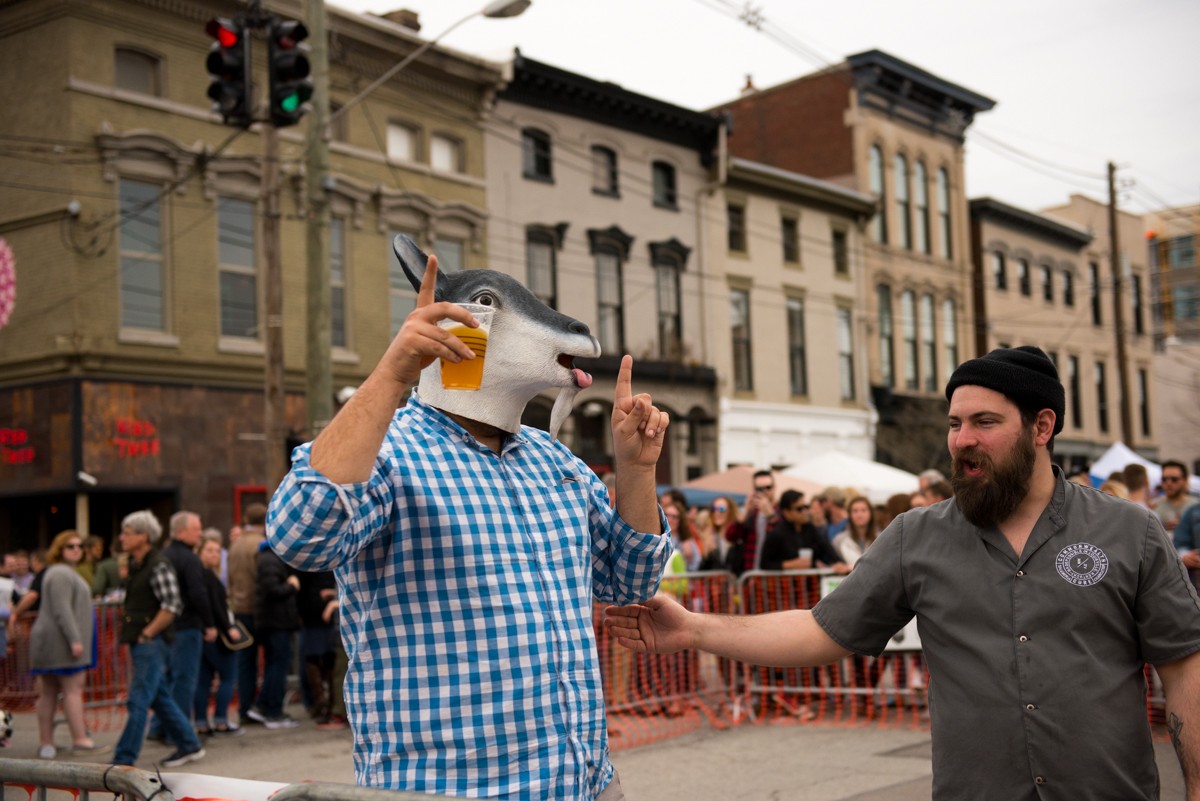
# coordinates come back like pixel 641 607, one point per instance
pixel 104 693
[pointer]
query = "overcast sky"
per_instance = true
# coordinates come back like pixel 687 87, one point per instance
pixel 1076 82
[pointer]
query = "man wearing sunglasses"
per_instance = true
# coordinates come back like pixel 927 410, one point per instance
pixel 1175 500
pixel 760 514
pixel 794 543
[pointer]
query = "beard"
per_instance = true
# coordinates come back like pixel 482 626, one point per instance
pixel 992 496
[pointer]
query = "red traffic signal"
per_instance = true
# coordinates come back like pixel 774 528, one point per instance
pixel 229 65
pixel 224 31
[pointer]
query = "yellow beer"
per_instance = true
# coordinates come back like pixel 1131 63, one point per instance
pixel 468 373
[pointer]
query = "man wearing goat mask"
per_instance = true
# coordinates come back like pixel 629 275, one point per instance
pixel 468 549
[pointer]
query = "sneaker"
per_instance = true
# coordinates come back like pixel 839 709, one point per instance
pixel 281 722
pixel 47 752
pixel 95 749
pixel 228 730
pixel 256 714
pixel 182 757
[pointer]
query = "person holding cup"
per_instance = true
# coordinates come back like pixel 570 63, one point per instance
pixel 795 544
pixel 468 548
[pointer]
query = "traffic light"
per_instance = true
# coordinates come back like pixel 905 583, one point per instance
pixel 288 68
pixel 229 64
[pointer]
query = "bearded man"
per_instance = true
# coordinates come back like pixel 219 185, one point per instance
pixel 1038 603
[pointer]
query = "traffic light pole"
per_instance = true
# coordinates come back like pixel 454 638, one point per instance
pixel 319 369
pixel 275 420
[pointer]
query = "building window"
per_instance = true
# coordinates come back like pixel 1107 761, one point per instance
pixel 138 72
pixel 402 298
pixel 610 302
pixel 875 173
pixel 928 343
pixel 449 253
pixel 736 218
pixel 1101 398
pixel 1135 289
pixel 143 277
pixel 536 162
pixel 541 268
pixel 845 344
pixel 908 325
pixel 1068 288
pixel 445 153
pixel 238 275
pixel 739 325
pixel 664 185
pixel 999 270
pixel 1144 400
pixel 797 358
pixel 403 142
pixel 1047 284
pixel 670 331
pixel 921 190
pixel 950 334
pixel 903 205
pixel 1024 281
pixel 1074 380
pixel 943 200
pixel 789 230
pixel 1094 275
pixel 841 253
pixel 604 171
pixel 337 283
pixel 887 345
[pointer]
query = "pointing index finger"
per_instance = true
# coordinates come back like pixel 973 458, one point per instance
pixel 428 283
pixel 625 380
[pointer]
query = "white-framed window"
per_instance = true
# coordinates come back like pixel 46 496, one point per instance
pixel 610 300
pixel 797 349
pixel 908 325
pixel 739 330
pixel 903 203
pixel 143 273
pixel 875 173
pixel 238 270
pixel 845 346
pixel 670 326
pixel 928 343
pixel 403 142
pixel 735 215
pixel 138 71
pixel 841 251
pixel 950 334
pixel 445 153
pixel 450 254
pixel 665 192
pixel 943 200
pixel 605 179
pixel 789 232
pixel 537 161
pixel 887 336
pixel 402 298
pixel 921 190
pixel 541 268
pixel 999 270
pixel 337 283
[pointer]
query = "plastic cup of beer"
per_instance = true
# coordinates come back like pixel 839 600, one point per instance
pixel 468 374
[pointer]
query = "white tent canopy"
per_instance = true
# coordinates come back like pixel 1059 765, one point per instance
pixel 832 469
pixel 1118 455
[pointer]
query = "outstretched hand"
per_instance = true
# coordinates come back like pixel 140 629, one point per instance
pixel 658 626
pixel 420 340
pixel 639 427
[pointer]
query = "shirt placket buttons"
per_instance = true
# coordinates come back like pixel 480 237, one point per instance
pixel 1039 779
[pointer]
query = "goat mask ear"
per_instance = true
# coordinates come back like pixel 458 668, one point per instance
pixel 413 261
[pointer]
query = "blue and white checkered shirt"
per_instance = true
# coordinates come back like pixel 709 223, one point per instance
pixel 467 581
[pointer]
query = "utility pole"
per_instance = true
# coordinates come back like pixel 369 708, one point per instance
pixel 318 340
pixel 274 413
pixel 1114 249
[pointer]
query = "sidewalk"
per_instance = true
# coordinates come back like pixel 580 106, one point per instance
pixel 782 762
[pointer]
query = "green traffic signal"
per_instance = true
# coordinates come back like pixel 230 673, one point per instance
pixel 288 69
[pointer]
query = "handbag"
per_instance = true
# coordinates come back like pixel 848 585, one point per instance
pixel 236 645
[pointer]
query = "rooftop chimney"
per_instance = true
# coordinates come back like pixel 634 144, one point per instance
pixel 749 88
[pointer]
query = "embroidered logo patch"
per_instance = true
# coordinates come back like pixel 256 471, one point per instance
pixel 1082 564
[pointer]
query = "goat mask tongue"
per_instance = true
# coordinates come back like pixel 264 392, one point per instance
pixel 525 345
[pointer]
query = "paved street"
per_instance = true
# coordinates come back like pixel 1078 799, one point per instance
pixel 782 762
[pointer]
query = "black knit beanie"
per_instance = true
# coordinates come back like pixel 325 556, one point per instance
pixel 1025 375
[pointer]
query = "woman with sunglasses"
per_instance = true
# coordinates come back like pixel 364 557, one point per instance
pixel 722 513
pixel 62 645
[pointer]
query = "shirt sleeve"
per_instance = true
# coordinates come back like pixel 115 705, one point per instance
pixel 166 587
pixel 1167 608
pixel 315 524
pixel 871 604
pixel 627 565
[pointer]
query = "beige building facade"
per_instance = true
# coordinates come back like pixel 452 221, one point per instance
pixel 132 362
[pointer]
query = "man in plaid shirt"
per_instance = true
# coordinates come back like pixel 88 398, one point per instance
pixel 467 557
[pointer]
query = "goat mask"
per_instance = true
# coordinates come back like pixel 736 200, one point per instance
pixel 531 347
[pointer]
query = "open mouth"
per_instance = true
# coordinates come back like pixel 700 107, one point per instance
pixel 582 380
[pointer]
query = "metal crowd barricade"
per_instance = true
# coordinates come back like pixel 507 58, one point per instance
pixel 890 688
pixel 653 697
pixel 28 779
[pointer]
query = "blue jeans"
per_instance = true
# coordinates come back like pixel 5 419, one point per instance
pixel 184 667
pixel 148 690
pixel 278 645
pixel 218 660
pixel 247 668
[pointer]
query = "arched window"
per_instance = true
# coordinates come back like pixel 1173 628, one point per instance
pixel 903 204
pixel 875 172
pixel 137 71
pixel 908 324
pixel 604 171
pixel 921 190
pixel 887 337
pixel 943 201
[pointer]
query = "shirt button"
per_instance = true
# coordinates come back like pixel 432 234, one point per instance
pixel 1039 779
pixel 1023 638
pixel 1020 573
pixel 1030 707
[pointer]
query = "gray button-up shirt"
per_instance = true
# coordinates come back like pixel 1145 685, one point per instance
pixel 1037 687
